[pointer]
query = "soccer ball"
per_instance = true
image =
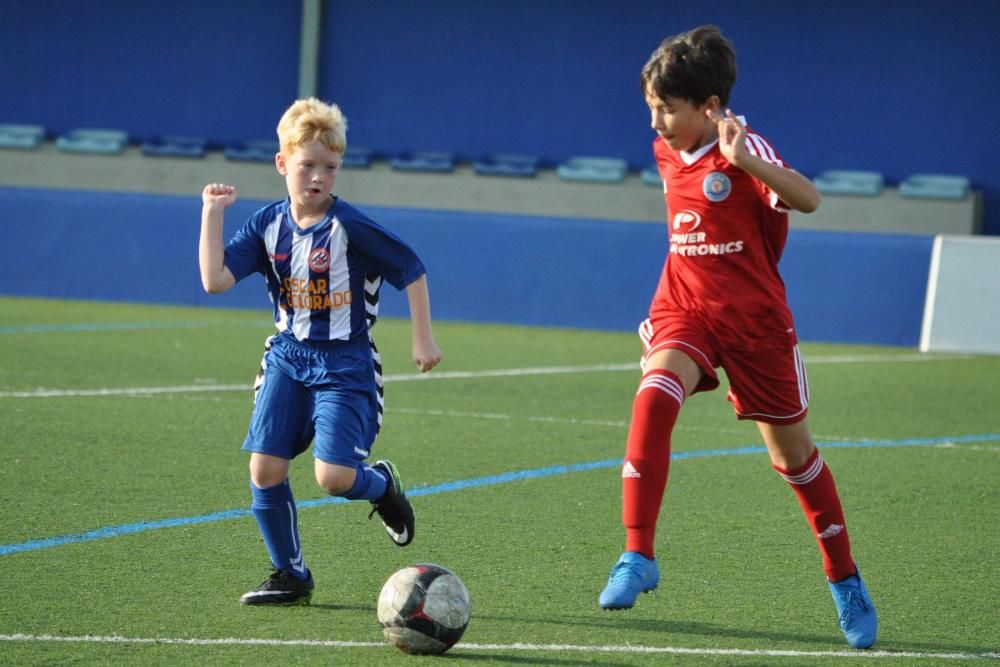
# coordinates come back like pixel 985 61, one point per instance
pixel 424 609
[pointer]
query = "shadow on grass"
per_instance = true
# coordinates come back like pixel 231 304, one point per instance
pixel 622 621
pixel 500 656
pixel 330 606
pixel 833 640
pixel 934 647
pixel 616 620
pixel 497 656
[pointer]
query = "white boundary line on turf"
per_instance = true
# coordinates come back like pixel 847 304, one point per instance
pixel 678 650
pixel 974 448
pixel 505 417
pixel 42 392
pixel 499 416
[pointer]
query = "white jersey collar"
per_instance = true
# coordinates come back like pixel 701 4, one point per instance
pixel 691 158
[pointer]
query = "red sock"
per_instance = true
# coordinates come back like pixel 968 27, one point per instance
pixel 647 456
pixel 817 493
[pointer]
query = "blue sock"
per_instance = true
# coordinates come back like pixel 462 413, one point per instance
pixel 278 520
pixel 369 484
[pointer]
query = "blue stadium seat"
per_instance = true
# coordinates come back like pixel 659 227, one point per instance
pixel 599 169
pixel 358 157
pixel 436 161
pixel 89 140
pixel 507 164
pixel 253 150
pixel 175 146
pixel 935 186
pixel 264 150
pixel 651 176
pixel 850 182
pixel 22 137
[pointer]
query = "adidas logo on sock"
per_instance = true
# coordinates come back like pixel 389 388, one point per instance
pixel 628 470
pixel 834 529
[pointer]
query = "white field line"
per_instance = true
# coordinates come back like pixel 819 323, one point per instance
pixel 750 432
pixel 461 414
pixel 974 448
pixel 505 417
pixel 530 648
pixel 408 377
pixel 42 392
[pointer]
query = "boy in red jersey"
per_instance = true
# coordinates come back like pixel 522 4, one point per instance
pixel 720 302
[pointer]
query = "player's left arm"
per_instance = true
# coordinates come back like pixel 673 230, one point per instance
pixel 394 260
pixel 791 187
pixel 426 353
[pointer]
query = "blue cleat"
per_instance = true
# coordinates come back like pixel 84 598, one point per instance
pixel 631 575
pixel 855 610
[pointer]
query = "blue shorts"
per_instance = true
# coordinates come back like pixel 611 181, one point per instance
pixel 322 393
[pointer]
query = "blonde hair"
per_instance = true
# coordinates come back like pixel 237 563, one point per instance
pixel 309 120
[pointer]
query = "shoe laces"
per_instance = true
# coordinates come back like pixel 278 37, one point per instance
pixel 383 505
pixel 278 575
pixel 622 572
pixel 857 601
pixel 271 580
pixel 852 601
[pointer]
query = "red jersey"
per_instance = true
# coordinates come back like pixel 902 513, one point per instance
pixel 727 231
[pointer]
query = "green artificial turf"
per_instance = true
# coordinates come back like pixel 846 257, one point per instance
pixel 128 420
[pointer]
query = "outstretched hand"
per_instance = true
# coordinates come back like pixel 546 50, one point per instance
pixel 732 135
pixel 218 194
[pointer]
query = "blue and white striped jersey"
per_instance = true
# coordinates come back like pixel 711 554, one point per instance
pixel 323 281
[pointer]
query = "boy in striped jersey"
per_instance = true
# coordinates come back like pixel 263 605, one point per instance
pixel 320 382
pixel 720 302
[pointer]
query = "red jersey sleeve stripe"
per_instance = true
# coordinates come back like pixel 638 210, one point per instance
pixel 764 150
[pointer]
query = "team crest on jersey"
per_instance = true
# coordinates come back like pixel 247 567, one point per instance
pixel 716 186
pixel 319 260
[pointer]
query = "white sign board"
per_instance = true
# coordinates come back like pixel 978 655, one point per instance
pixel 962 311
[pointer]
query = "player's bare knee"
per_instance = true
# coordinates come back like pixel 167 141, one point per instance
pixel 335 480
pixel 267 471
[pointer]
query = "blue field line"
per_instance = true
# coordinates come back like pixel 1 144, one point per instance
pixel 475 482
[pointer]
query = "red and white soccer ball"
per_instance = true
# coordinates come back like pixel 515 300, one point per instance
pixel 424 609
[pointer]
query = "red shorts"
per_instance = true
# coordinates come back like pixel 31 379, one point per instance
pixel 767 385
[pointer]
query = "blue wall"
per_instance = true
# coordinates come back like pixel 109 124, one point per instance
pixel 225 69
pixel 899 86
pixel 854 288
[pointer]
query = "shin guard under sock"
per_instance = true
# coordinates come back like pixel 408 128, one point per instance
pixel 369 484
pixel 278 520
pixel 817 493
pixel 647 456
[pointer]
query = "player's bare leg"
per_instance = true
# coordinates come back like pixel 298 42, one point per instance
pixel 267 470
pixel 336 480
pixel 795 456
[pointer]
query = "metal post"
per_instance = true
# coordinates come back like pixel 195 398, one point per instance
pixel 309 48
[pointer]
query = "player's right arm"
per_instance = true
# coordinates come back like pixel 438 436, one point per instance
pixel 216 278
pixel 789 185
